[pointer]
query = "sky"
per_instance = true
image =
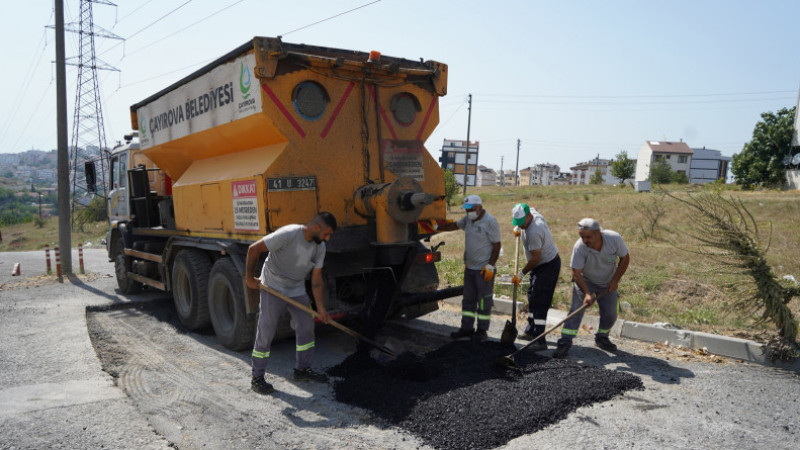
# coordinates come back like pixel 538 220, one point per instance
pixel 571 80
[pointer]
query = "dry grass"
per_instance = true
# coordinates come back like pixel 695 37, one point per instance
pixel 28 236
pixel 665 282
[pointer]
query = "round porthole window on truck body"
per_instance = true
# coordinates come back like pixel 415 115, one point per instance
pixel 310 99
pixel 404 107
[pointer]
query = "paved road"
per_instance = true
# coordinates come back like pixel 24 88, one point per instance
pixel 165 388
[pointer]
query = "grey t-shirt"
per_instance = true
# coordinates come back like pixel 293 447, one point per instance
pixel 537 236
pixel 479 239
pixel 290 260
pixel 599 267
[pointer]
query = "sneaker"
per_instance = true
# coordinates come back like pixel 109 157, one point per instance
pixel 309 375
pixel 260 386
pixel 538 345
pixel 562 350
pixel 480 336
pixel 462 333
pixel 605 343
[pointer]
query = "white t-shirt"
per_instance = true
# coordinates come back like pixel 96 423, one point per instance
pixel 480 237
pixel 599 266
pixel 290 260
pixel 537 237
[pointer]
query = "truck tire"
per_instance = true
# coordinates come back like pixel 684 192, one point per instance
pixel 190 288
pixel 122 265
pixel 235 330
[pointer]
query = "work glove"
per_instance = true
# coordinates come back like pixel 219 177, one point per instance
pixel 434 225
pixel 517 232
pixel 488 272
pixel 517 279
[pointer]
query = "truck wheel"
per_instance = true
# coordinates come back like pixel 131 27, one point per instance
pixel 122 265
pixel 190 289
pixel 234 329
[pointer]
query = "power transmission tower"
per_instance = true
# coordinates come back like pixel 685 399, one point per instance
pixel 88 131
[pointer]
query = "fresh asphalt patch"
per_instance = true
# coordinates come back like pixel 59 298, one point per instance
pixel 457 397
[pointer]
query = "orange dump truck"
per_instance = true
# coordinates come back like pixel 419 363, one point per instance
pixel 271 134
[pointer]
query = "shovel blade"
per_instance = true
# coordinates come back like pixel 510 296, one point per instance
pixel 506 362
pixel 509 334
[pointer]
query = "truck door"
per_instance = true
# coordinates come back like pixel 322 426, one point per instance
pixel 118 208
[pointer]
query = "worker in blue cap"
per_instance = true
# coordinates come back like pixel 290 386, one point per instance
pixel 481 250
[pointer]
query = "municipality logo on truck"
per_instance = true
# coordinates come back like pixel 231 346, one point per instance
pixel 201 104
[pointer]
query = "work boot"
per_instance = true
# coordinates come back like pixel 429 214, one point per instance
pixel 309 375
pixel 605 343
pixel 462 333
pixel 562 350
pixel 260 386
pixel 480 336
pixel 538 345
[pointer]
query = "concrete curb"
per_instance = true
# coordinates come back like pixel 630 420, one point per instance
pixel 730 347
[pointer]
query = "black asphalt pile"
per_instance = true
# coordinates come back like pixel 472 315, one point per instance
pixel 457 397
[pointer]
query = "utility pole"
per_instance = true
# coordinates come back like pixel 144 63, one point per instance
pixel 516 171
pixel 502 175
pixel 64 223
pixel 466 160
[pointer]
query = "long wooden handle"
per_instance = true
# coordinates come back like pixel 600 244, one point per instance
pixel 551 329
pixel 516 271
pixel 584 306
pixel 336 324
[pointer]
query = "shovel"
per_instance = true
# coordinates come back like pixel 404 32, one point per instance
pixel 508 360
pixel 510 331
pixel 336 324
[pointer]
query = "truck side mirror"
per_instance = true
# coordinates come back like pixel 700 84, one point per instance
pixel 91 176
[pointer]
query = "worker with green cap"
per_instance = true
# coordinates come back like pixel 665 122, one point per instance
pixel 543 266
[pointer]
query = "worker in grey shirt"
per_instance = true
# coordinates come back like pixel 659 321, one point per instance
pixel 595 270
pixel 543 266
pixel 294 252
pixel 481 250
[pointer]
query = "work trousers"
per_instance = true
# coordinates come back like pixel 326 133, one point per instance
pixel 271 309
pixel 544 278
pixel 608 304
pixel 477 301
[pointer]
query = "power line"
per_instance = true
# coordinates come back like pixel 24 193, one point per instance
pixel 131 13
pixel 147 26
pixel 32 69
pixel 183 29
pixel 329 18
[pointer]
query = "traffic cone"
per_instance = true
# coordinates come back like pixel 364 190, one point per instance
pixel 16 270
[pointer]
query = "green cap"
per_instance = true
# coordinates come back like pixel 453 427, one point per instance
pixel 518 214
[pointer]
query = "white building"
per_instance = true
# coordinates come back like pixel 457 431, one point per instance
pixel 708 166
pixel 486 176
pixel 539 175
pixel 677 154
pixel 583 172
pixel 454 157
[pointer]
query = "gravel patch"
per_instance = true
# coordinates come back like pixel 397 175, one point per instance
pixel 457 397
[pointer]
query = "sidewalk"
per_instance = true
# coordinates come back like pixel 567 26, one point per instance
pixel 730 347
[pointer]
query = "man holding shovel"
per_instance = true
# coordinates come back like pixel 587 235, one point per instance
pixel 481 250
pixel 294 252
pixel 595 271
pixel 543 265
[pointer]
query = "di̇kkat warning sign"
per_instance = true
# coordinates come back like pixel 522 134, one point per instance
pixel 245 205
pixel 404 158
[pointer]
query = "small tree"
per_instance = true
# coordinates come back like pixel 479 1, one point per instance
pixel 450 186
pixel 597 177
pixel 623 167
pixel 760 162
pixel 660 171
pixel 680 178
